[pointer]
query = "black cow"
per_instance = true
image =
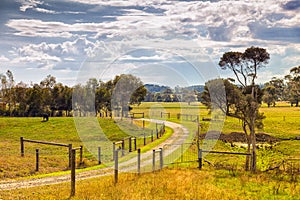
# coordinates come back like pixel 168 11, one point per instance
pixel 45 117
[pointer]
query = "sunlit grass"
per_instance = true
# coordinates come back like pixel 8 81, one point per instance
pixel 173 183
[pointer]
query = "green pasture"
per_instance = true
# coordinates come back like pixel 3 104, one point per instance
pixel 281 121
pixel 59 130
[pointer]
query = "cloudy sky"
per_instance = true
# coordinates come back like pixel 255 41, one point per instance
pixel 166 42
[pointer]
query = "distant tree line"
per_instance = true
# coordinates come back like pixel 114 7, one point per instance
pixel 283 89
pixel 112 96
pixel 157 93
pixel 55 99
pixel 24 100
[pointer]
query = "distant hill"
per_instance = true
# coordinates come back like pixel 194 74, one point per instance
pixel 158 88
pixel 155 88
pixel 198 88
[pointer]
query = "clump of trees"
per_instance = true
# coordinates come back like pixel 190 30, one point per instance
pixel 22 100
pixel 55 99
pixel 292 92
pixel 283 89
pixel 98 98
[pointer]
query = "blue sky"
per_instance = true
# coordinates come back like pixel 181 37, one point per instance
pixel 165 42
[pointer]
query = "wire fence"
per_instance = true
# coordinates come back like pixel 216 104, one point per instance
pixel 179 153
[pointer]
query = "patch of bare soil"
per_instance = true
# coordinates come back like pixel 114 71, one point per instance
pixel 238 137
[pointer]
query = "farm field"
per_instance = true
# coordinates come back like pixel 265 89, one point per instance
pixel 214 181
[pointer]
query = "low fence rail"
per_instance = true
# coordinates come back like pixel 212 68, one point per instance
pixel 141 114
pixel 188 117
pixel 181 153
pixel 69 146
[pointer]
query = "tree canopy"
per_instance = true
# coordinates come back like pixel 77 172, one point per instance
pixel 245 65
pixel 35 99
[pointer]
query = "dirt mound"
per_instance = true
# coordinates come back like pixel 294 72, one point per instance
pixel 238 137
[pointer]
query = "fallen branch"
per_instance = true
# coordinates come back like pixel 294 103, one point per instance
pixel 276 167
pixel 210 163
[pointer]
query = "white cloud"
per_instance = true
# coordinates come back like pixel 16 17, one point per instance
pixel 292 21
pixel 121 3
pixel 29 4
pixel 34 28
pixel 218 21
pixel 49 55
pixel 43 10
pixel 158 57
pixel 199 30
pixel 3 59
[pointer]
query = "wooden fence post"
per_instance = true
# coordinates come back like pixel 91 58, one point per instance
pixel 99 155
pixel 123 147
pixel 200 158
pixel 116 166
pixel 70 154
pixel 22 146
pixel 114 150
pixel 37 160
pixel 153 160
pixel 151 135
pixel 198 146
pixel 161 158
pixel 139 161
pixel 134 143
pixel 156 131
pixel 160 131
pixel 181 152
pixel 144 138
pixel 81 156
pixel 129 144
pixel 143 124
pixel 73 166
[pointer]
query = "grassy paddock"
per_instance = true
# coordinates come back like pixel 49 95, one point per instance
pixel 61 130
pixel 52 158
